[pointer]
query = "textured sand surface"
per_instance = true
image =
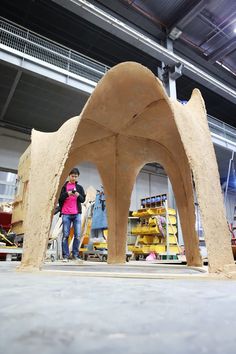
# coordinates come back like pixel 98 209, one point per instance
pixel 129 121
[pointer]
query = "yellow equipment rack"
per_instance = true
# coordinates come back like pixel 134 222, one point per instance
pixel 152 236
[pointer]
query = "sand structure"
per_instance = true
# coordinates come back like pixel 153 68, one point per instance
pixel 127 122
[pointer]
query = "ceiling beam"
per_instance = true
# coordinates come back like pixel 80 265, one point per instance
pixel 11 93
pixel 15 127
pixel 177 28
pixel 222 51
pixel 180 48
pixel 124 10
pixel 190 15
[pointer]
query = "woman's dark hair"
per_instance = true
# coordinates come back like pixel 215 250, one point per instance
pixel 74 171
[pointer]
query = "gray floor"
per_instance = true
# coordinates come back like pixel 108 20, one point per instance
pixel 59 310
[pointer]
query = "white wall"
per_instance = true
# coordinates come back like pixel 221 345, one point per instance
pixel 89 176
pixel 12 146
pixel 147 184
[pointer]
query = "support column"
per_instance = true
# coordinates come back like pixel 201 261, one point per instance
pixel 118 180
pixel 169 76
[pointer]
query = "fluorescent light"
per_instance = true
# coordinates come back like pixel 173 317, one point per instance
pixel 225 67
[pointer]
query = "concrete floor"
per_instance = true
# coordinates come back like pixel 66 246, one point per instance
pixel 61 310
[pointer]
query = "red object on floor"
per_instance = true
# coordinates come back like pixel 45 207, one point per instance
pixel 5 220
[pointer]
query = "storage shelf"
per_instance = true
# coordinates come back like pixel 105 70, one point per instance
pixel 150 231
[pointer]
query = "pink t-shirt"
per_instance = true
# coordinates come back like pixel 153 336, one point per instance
pixel 70 204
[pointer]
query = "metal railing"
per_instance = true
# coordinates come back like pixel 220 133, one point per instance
pixel 32 44
pixel 220 128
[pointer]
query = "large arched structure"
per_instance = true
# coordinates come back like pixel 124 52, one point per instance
pixel 129 121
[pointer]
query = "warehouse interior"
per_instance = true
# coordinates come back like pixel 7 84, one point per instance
pixel 53 53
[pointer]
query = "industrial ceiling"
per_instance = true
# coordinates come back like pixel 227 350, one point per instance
pixel 206 26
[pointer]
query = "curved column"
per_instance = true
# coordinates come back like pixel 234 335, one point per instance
pixel 118 180
pixel 193 127
pixel 48 155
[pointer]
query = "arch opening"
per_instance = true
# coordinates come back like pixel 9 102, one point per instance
pixel 154 227
pixel 91 182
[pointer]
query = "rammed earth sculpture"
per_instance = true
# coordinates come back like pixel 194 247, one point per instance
pixel 129 121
